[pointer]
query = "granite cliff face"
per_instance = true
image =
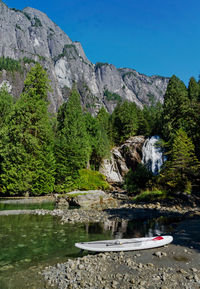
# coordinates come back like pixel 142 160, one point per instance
pixel 122 158
pixel 30 33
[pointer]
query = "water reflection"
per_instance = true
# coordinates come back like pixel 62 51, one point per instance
pixel 139 228
pixel 26 204
pixel 29 241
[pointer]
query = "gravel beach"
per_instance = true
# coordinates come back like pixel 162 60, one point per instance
pixel 174 266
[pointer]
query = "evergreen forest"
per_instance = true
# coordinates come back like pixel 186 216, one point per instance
pixel 42 153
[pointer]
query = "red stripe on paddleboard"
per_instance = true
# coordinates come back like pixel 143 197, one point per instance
pixel 158 238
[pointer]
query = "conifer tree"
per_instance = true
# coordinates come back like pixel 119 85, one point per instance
pixel 72 145
pixel 192 115
pixel 6 104
pixel 193 90
pixel 26 146
pixel 124 121
pixel 176 103
pixel 103 118
pixel 183 165
pixel 98 140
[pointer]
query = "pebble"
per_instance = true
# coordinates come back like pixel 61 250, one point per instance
pixel 118 270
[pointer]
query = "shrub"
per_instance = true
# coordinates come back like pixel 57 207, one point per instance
pixel 84 180
pixel 148 196
pixel 10 64
pixel 138 179
pixel 110 96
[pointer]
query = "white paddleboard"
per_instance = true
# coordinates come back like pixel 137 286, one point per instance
pixel 125 244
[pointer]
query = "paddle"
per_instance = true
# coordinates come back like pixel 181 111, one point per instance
pixel 122 243
pixel 131 242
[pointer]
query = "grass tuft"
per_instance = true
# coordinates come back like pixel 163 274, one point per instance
pixel 148 196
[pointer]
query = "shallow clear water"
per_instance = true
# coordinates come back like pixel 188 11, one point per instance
pixel 26 206
pixel 30 242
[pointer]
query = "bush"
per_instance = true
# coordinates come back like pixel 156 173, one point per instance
pixel 10 64
pixel 148 196
pixel 138 179
pixel 84 180
pixel 110 96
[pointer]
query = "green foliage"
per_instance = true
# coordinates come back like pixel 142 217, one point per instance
pixel 112 96
pixel 16 10
pixel 100 64
pixel 18 27
pixel 150 120
pixel 193 89
pixel 176 103
pixel 28 60
pixel 98 140
pixel 137 180
pixel 37 22
pixel 182 110
pixel 150 196
pixel 26 15
pixel 84 180
pixel 91 180
pixel 26 141
pixel 182 166
pixel 72 144
pixel 36 83
pixel 104 119
pixel 129 73
pixel 124 121
pixel 69 50
pixel 6 105
pixel 10 64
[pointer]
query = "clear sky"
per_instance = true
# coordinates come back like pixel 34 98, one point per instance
pixel 151 36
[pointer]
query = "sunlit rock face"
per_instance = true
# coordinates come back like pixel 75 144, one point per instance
pixel 152 155
pixel 30 33
pixel 122 158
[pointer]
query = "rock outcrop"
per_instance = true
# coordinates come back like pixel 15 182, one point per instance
pixel 122 158
pixel 93 199
pixel 30 33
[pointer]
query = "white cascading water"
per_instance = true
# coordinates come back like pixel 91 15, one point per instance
pixel 152 156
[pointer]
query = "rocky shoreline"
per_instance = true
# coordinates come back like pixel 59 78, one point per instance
pixel 126 212
pixel 173 266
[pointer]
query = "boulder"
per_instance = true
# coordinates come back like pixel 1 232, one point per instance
pixel 122 158
pixel 94 199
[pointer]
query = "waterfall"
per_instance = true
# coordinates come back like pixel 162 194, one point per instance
pixel 152 156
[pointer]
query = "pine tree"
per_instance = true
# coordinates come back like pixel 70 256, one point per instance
pixel 193 90
pixel 26 146
pixel 150 119
pixel 124 121
pixel 98 140
pixel 103 118
pixel 72 145
pixel 183 165
pixel 176 103
pixel 6 104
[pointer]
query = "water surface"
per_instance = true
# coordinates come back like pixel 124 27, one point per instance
pixel 30 242
pixel 25 205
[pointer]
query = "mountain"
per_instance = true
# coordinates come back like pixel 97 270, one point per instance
pixel 29 35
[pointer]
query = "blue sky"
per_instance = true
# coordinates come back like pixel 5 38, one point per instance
pixel 151 36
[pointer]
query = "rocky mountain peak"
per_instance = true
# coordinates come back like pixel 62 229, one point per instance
pixel 31 34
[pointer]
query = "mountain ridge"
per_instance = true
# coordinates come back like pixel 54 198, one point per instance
pixel 30 33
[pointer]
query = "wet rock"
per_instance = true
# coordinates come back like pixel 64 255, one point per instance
pixel 158 254
pixel 95 199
